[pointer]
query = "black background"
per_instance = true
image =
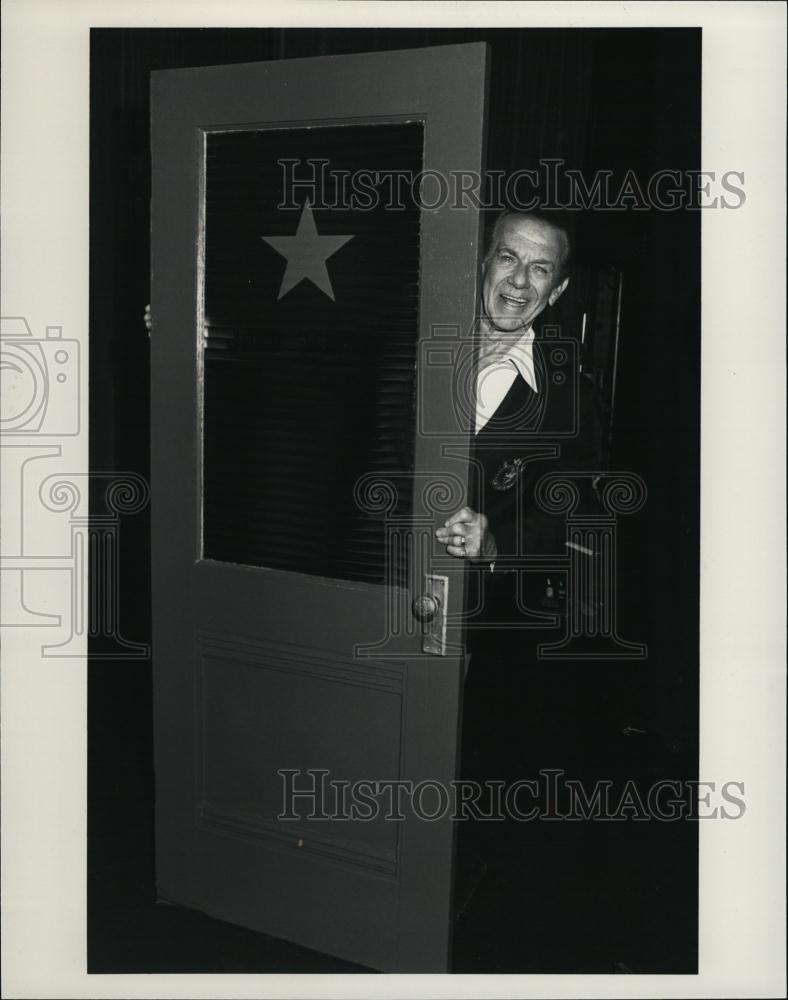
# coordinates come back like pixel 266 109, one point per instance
pixel 611 898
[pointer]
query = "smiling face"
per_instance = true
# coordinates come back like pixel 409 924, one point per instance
pixel 522 273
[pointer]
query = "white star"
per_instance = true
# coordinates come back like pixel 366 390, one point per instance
pixel 306 254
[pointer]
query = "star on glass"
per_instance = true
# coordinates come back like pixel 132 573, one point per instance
pixel 306 254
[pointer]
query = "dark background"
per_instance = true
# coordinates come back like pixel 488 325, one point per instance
pixel 578 898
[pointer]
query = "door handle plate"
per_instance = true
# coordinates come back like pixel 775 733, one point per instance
pixel 433 639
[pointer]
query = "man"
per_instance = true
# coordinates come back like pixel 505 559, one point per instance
pixel 525 270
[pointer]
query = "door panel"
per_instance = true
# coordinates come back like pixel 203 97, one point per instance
pixel 247 694
pixel 288 372
pixel 294 500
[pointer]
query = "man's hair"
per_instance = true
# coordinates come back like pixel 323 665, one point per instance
pixel 556 220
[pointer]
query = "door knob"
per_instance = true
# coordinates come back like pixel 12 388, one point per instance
pixel 425 607
pixel 430 609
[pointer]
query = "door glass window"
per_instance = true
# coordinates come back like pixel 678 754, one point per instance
pixel 310 278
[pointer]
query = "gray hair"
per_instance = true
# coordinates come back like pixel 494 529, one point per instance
pixel 557 222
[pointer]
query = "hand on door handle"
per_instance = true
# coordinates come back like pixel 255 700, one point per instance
pixel 467 535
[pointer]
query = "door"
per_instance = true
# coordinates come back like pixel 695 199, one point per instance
pixel 313 286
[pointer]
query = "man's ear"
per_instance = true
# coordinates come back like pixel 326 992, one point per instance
pixel 557 291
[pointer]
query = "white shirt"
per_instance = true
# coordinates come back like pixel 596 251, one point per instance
pixel 495 380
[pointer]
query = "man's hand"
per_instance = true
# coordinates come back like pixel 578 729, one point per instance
pixel 147 319
pixel 466 535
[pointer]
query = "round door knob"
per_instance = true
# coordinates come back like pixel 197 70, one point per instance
pixel 425 607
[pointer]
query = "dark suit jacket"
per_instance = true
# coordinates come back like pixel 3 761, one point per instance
pixel 532 434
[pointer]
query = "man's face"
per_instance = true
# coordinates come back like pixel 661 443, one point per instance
pixel 522 274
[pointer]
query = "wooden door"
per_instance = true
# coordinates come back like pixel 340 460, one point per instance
pixel 305 442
